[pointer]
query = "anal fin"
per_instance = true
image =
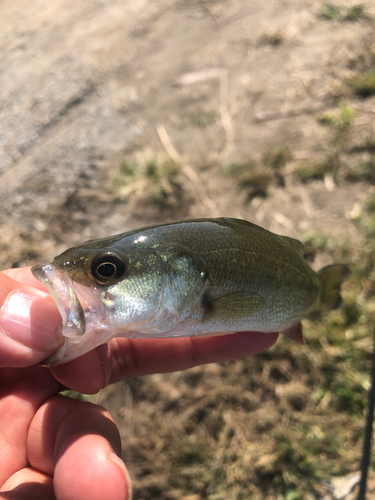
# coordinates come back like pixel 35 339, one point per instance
pixel 294 332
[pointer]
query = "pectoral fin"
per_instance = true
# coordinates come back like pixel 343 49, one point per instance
pixel 236 305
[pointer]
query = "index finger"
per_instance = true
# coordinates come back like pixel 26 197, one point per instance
pixel 127 358
pixel 134 357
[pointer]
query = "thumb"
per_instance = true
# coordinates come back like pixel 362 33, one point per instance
pixel 29 321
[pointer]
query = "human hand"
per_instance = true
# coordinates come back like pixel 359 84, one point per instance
pixel 56 447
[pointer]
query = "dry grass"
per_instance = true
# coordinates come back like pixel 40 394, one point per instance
pixel 262 427
pixel 277 425
pixel 259 427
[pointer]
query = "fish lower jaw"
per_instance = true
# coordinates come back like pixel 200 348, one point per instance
pixel 74 347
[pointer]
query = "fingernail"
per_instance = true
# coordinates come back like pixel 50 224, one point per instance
pixel 119 463
pixel 32 320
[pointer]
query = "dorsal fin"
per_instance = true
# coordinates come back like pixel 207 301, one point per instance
pixel 295 244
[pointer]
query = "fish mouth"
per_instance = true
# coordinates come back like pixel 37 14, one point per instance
pixel 81 310
pixel 60 287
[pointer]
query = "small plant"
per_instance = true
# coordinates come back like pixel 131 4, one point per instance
pixel 363 172
pixel 292 494
pixel 318 169
pixel 367 146
pixel 316 240
pixel 335 12
pixel 354 13
pixel 251 177
pixel 278 158
pixel 370 205
pixel 203 118
pixel 257 176
pixel 330 11
pixel 256 182
pixel 152 177
pixel 341 119
pixel 363 85
pixel 273 38
pixel 347 115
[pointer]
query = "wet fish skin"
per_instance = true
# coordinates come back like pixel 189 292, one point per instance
pixel 185 278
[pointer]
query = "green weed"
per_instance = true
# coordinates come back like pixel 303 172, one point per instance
pixel 370 205
pixel 316 240
pixel 354 13
pixel 151 177
pixel 203 118
pixel 363 84
pixel 292 494
pixel 330 11
pixel 335 12
pixel 194 452
pixel 277 158
pixel 251 178
pixel 317 169
pixel 256 182
pixel 364 172
pixel 341 122
pixel 367 146
pixel 341 119
pixel 256 177
pixel 273 38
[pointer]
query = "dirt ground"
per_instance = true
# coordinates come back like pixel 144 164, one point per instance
pixel 88 85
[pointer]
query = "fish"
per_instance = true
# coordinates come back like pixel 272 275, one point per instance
pixel 197 277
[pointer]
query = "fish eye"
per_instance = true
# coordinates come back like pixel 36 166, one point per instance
pixel 108 268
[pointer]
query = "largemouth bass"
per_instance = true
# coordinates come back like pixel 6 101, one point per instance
pixel 188 278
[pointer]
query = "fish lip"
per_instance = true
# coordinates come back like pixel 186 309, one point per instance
pixel 60 287
pixel 83 318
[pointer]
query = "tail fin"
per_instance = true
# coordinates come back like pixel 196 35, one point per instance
pixel 331 278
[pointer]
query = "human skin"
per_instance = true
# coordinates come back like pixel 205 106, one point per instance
pixel 55 447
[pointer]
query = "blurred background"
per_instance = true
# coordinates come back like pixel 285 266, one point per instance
pixel 117 114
